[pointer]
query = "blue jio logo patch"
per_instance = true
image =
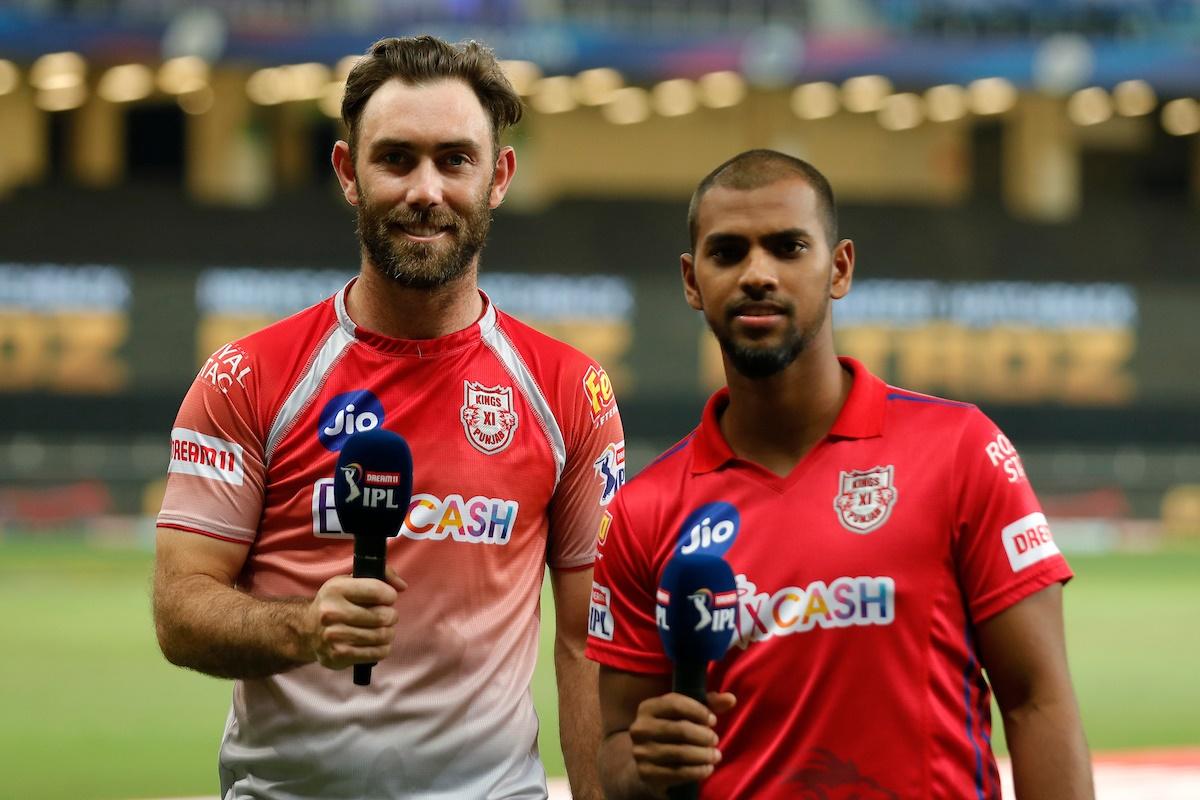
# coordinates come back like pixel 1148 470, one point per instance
pixel 710 529
pixel 348 414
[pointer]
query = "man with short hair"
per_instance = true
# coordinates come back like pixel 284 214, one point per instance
pixel 887 547
pixel 506 428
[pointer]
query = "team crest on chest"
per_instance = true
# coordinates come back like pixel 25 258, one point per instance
pixel 865 498
pixel 488 416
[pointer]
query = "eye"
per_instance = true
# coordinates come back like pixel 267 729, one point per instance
pixel 457 160
pixel 727 252
pixel 392 159
pixel 791 248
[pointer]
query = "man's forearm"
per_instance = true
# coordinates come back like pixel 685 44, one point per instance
pixel 578 721
pixel 218 630
pixel 618 771
pixel 1049 752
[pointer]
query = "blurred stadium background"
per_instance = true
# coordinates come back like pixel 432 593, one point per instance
pixel 1022 180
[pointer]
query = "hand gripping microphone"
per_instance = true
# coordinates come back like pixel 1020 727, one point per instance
pixel 372 487
pixel 697 618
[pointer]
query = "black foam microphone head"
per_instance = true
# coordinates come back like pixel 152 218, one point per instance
pixel 372 484
pixel 697 608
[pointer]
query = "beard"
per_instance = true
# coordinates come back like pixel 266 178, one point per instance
pixel 423 265
pixel 758 361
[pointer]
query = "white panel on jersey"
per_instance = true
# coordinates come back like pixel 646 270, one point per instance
pixel 499 344
pixel 308 385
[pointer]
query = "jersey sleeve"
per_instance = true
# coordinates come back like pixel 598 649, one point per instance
pixel 621 627
pixel 1004 549
pixel 594 468
pixel 215 476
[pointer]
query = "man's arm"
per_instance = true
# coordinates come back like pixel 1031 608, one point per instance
pixel 1024 652
pixel 653 738
pixel 203 622
pixel 578 706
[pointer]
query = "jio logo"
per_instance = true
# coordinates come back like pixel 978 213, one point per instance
pixel 348 414
pixel 710 529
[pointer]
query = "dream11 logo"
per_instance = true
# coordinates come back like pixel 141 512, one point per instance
pixel 347 414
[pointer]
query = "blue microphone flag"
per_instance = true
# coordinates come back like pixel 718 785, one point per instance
pixel 372 484
pixel 697 607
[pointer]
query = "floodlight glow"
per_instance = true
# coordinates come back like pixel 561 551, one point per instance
pixel 675 97
pixel 991 96
pixel 595 87
pixel 1181 117
pixel 126 83
pixel 1134 98
pixel 1090 106
pixel 10 77
pixel 523 75
pixel 554 95
pixel 629 105
pixel 815 100
pixel 183 75
pixel 865 93
pixel 901 112
pixel 722 89
pixel 945 103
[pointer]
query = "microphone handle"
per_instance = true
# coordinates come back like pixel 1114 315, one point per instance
pixel 690 678
pixel 370 561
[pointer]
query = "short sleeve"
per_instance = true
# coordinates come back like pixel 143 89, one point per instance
pixel 215 476
pixel 1004 548
pixel 621 628
pixel 594 468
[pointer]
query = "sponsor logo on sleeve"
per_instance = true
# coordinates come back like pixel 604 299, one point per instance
pixel 602 533
pixel 600 621
pixel 598 390
pixel 1028 541
pixel 1003 455
pixel 488 417
pixel 225 368
pixel 610 469
pixel 865 498
pixel 347 414
pixel 195 453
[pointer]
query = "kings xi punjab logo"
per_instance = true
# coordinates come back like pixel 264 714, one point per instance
pixel 865 499
pixel 488 417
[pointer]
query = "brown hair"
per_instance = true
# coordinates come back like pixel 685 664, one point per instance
pixel 422 59
pixel 754 169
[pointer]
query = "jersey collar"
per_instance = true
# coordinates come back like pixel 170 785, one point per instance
pixel 421 348
pixel 860 418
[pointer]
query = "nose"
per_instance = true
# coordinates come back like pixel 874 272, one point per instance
pixel 425 185
pixel 759 276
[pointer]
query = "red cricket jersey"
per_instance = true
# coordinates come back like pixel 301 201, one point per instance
pixel 517 446
pixel 861 578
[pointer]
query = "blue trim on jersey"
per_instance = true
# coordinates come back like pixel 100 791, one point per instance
pixel 675 449
pixel 967 673
pixel 937 401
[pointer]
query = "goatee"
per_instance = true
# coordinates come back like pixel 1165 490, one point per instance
pixel 423 265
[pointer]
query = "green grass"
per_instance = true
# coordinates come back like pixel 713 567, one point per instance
pixel 91 710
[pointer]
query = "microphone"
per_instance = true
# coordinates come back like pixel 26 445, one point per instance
pixel 696 613
pixel 372 487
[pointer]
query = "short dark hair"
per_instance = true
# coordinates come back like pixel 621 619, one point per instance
pixel 754 169
pixel 422 59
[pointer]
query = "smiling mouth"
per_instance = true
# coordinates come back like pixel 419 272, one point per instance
pixel 422 233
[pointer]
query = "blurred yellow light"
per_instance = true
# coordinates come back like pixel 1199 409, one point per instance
pixel 1134 98
pixel 815 100
pixel 945 103
pixel 268 86
pixel 306 81
pixel 183 75
pixel 595 87
pixel 58 71
pixel 9 76
pixel 197 101
pixel 991 96
pixel 901 112
pixel 1089 106
pixel 523 75
pixel 865 93
pixel 126 83
pixel 722 89
pixel 346 63
pixel 628 106
pixel 553 95
pixel 1181 117
pixel 61 98
pixel 331 101
pixel 675 97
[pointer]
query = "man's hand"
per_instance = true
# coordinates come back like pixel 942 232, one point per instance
pixel 353 620
pixel 673 738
